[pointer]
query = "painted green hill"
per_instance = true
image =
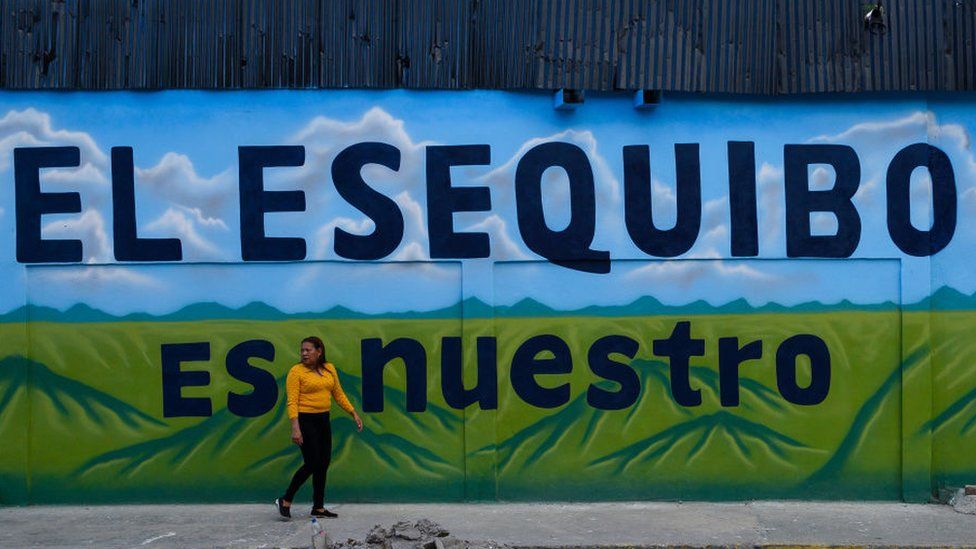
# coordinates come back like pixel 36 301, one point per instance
pixel 692 436
pixel 68 420
pixel 945 299
pixel 19 374
pixel 962 411
pixel 396 450
pixel 676 444
pixel 544 434
pixel 577 423
pixel 953 426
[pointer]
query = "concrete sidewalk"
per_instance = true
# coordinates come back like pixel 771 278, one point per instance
pixel 552 525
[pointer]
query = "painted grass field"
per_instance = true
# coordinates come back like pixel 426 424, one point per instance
pixel 81 414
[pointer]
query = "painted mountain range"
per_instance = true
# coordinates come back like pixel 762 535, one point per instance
pixel 945 298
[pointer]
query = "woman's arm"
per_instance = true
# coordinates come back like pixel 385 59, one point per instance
pixel 296 432
pixel 293 386
pixel 340 396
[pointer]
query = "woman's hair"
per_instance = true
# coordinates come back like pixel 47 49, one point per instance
pixel 317 343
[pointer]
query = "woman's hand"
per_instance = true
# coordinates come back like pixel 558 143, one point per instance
pixel 296 435
pixel 358 420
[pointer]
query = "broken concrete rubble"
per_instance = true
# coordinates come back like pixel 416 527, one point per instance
pixel 963 502
pixel 423 534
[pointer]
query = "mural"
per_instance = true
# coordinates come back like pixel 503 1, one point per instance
pixel 715 299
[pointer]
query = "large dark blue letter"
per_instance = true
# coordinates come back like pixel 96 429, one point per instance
pixel 637 201
pixel 569 247
pixel 485 391
pixel 255 202
pixel 816 349
pixel 174 403
pixel 443 200
pixel 376 357
pixel 679 348
pixel 743 223
pixel 620 372
pixel 380 208
pixel 265 393
pixel 128 245
pixel 730 356
pixel 31 204
pixel 801 201
pixel 909 239
pixel 526 365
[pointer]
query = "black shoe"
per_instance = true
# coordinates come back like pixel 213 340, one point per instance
pixel 282 510
pixel 323 513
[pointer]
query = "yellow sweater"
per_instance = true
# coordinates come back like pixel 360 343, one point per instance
pixel 312 391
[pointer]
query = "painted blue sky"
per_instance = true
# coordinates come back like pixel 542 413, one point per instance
pixel 185 151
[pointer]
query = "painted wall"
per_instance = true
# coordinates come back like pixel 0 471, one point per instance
pixel 715 299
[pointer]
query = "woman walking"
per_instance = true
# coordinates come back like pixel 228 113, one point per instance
pixel 311 386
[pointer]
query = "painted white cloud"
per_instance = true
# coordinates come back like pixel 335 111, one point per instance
pixel 952 133
pixel 193 204
pixel 610 230
pixel 194 208
pixel 176 223
pixel 94 275
pixel 920 193
pixel 376 121
pixel 89 227
pixel 411 252
pixel 323 243
pixel 822 178
pixel 31 127
pixel 414 223
pixel 715 213
pixel 955 140
pixel 877 142
pixel 684 273
pixel 69 178
pixel 504 247
pixel 197 215
pixel 906 128
pixel 968 198
pixel 772 213
pixel 704 262
pixel 324 139
pixel 175 180
pixel 96 278
pixel 823 224
pixel 502 178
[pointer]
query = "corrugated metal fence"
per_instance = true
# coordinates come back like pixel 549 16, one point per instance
pixel 720 46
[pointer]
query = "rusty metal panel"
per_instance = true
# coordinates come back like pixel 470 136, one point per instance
pixel 959 55
pixel 434 38
pixel 711 46
pixel 38 42
pixel 280 43
pixel 358 44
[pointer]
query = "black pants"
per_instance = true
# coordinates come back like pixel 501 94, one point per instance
pixel 317 452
